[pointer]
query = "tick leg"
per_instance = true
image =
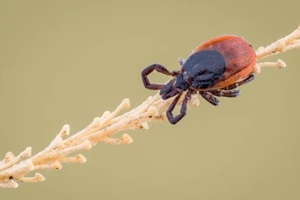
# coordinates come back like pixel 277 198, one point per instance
pixel 225 93
pixel 181 61
pixel 210 97
pixel 177 118
pixel 237 84
pixel 229 90
pixel 159 68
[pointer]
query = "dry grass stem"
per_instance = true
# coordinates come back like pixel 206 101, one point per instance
pixel 14 169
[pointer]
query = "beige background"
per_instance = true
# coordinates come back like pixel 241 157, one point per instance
pixel 68 61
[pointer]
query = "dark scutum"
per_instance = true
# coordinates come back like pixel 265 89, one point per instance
pixel 204 68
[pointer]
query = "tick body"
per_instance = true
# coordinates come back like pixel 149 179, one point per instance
pixel 216 68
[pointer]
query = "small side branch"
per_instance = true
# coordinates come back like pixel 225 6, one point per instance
pixel 291 41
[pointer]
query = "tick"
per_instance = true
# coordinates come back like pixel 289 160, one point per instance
pixel 216 68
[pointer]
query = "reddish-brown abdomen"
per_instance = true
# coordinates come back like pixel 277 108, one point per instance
pixel 239 55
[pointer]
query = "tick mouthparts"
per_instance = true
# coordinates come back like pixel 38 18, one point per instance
pixel 170 93
pixel 167 87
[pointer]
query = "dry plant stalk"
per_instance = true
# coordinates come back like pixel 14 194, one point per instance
pixel 15 168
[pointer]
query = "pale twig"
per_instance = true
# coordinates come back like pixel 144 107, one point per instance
pixel 291 41
pixel 101 129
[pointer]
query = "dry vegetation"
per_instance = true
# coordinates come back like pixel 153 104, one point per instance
pixel 14 169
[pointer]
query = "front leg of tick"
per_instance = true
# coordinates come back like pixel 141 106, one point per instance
pixel 159 68
pixel 177 118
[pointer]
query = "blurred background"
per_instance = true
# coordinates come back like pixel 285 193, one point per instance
pixel 66 62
